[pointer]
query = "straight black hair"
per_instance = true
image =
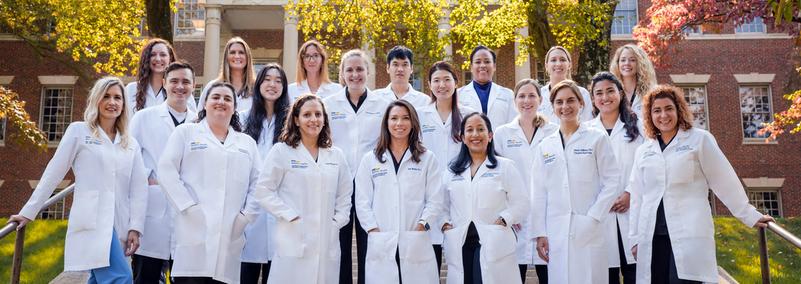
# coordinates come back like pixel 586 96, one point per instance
pixel 400 52
pixel 255 122
pixel 463 160
pixel 627 116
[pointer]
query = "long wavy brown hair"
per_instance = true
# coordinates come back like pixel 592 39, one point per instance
pixel 385 138
pixel 291 133
pixel 144 73
pixel 683 114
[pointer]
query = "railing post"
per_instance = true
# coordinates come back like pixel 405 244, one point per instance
pixel 19 243
pixel 763 256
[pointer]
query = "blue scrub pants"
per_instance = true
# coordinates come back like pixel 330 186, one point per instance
pixel 118 271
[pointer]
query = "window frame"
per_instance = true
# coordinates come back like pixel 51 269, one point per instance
pixel 56 211
pixel 779 203
pixel 706 101
pixel 764 29
pixel 198 33
pixel 755 140
pixel 45 88
pixel 636 19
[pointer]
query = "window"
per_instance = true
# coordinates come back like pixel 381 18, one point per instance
pixel 755 26
pixel 540 71
pixel 190 19
pixel 55 211
pixel 755 108
pixel 766 201
pixel 696 99
pixel 196 93
pixel 260 63
pixel 2 131
pixel 693 30
pixel 56 112
pixel 625 17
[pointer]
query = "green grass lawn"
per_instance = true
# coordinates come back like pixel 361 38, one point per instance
pixel 738 251
pixel 43 256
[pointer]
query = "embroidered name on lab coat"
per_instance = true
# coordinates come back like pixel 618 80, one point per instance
pixel 584 151
pixel 89 140
pixel 331 164
pixel 683 148
pixel 414 169
pixel 428 128
pixel 457 178
pixel 513 143
pixel 196 145
pixel 335 115
pixel 648 154
pixel 373 112
pixel 243 151
pixel 548 158
pixel 491 174
pixel 378 172
pixel 295 164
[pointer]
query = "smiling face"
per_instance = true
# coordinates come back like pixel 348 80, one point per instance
pixel 237 58
pixel 627 63
pixel 566 105
pixel 399 123
pixel 111 104
pixel 558 64
pixel 606 96
pixel 355 72
pixel 220 103
pixel 399 70
pixel 159 58
pixel 311 119
pixel 272 87
pixel 527 100
pixel 664 115
pixel 312 59
pixel 179 85
pixel 476 135
pixel 442 84
pixel 482 68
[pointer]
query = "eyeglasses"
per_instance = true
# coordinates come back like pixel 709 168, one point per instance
pixel 309 57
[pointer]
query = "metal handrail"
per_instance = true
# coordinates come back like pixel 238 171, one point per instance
pixel 763 247
pixel 19 242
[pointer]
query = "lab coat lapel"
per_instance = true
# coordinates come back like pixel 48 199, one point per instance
pixel 164 113
pixel 493 96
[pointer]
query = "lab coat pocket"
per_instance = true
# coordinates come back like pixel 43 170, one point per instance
pixel 289 239
pixel 683 173
pixel 492 196
pixel 156 202
pixel 190 226
pixel 189 258
pixel 587 231
pixel 83 213
pixel 497 242
pixel 415 247
pixel 381 245
pixel 238 229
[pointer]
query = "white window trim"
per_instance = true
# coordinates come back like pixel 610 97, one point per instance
pixel 754 78
pixel 764 27
pixel 58 80
pixel 755 141
pixel 53 144
pixel 769 189
pixel 1 183
pixel 6 80
pixel 690 79
pixel 706 100
pixel 636 13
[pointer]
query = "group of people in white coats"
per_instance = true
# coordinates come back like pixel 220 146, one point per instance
pixel 267 181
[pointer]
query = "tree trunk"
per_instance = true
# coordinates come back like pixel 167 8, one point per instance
pixel 541 36
pixel 159 20
pixel 594 55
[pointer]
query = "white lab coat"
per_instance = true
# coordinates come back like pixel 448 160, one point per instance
pixel 436 136
pixel 152 128
pixel 355 133
pixel 151 99
pixel 325 90
pixel 395 203
pixel 624 150
pixel 680 177
pixel 292 184
pixel 572 197
pixel 243 104
pixel 110 194
pixel 414 97
pixel 209 183
pixel 510 142
pixel 636 105
pixel 492 193
pixel 546 108
pixel 500 106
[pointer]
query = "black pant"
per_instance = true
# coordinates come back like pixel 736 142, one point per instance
pixel 523 268
pixel 249 272
pixel 471 256
pixel 629 271
pixel 438 256
pixel 542 273
pixel 663 263
pixel 147 269
pixel 346 244
pixel 196 280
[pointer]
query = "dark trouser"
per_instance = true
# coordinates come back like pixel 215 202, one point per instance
pixel 346 244
pixel 629 270
pixel 663 263
pixel 542 273
pixel 523 268
pixel 438 256
pixel 471 256
pixel 196 280
pixel 249 272
pixel 147 269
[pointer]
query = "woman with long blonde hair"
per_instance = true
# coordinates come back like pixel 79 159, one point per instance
pixel 108 209
pixel 633 67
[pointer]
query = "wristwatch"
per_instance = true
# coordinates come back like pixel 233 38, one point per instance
pixel 424 223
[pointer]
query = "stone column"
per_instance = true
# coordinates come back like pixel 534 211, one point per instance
pixel 371 65
pixel 522 71
pixel 444 27
pixel 211 53
pixel 290 52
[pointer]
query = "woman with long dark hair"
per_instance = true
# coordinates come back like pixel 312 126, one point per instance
pixel 148 89
pixel 264 123
pixel 398 191
pixel 484 196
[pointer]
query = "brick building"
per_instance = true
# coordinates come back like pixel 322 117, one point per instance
pixel 734 78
